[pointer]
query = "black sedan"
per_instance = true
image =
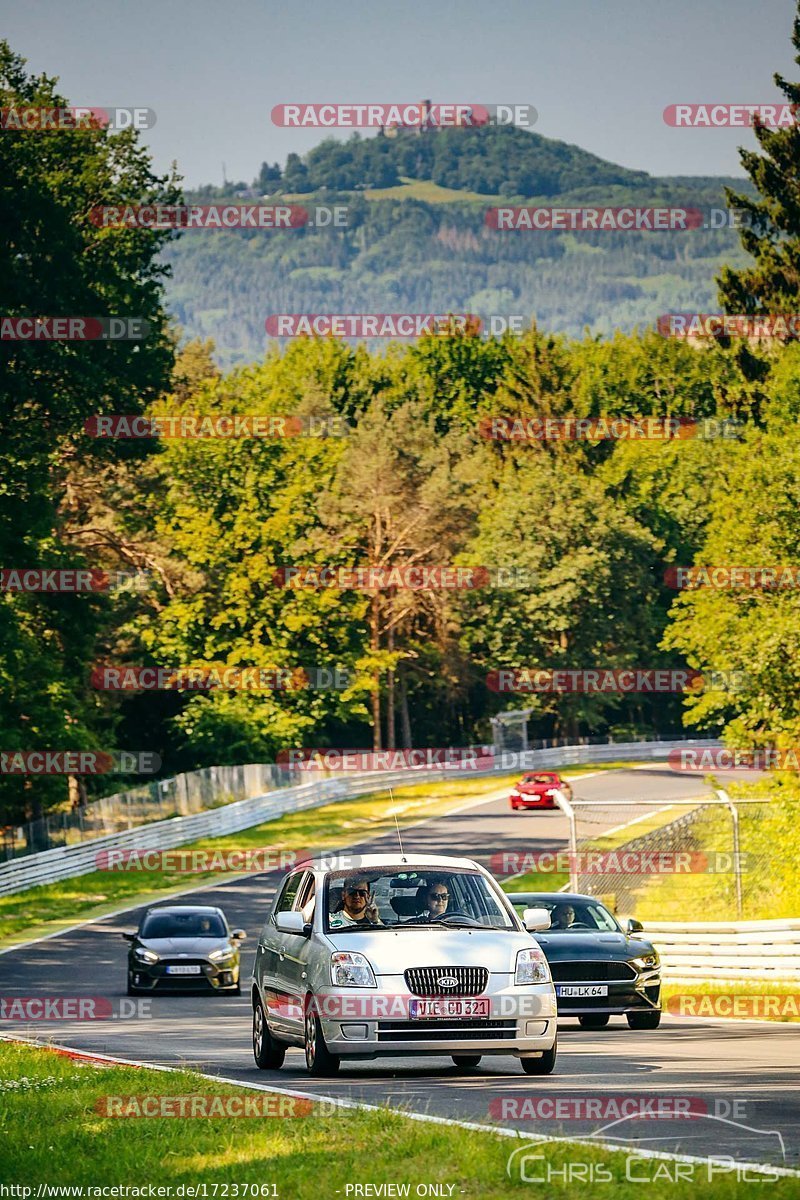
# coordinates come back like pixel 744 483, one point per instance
pixel 599 969
pixel 180 947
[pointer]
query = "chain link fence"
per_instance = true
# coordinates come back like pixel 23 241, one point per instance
pixel 192 792
pixel 671 860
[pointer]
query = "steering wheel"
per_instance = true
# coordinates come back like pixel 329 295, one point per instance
pixel 578 925
pixel 442 917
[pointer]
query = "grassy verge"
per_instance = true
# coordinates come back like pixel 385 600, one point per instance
pixel 763 1000
pixel 53 1133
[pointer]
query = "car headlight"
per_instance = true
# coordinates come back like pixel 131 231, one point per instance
pixel 531 966
pixel 646 962
pixel 221 955
pixel 148 956
pixel 351 970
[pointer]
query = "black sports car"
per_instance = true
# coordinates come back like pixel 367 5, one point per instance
pixel 599 969
pixel 180 947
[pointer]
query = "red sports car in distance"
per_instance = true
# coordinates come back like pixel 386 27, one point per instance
pixel 537 790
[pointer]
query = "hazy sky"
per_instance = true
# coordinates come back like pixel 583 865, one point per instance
pixel 599 72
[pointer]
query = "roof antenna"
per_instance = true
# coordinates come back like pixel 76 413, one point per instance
pixel 397 827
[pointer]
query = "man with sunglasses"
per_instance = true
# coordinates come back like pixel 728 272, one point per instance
pixel 357 907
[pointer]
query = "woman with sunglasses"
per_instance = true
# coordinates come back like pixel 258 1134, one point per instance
pixel 436 898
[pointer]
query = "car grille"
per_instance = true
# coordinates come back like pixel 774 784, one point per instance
pixel 591 972
pixel 445 1030
pixel 425 981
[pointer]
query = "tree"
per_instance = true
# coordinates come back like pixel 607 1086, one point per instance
pixel 55 262
pixel 771 228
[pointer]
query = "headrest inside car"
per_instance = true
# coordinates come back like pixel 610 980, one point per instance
pixel 405 906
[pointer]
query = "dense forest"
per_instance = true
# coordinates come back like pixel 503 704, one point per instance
pixel 589 531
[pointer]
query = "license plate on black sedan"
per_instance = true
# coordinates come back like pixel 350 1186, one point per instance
pixel 581 989
pixel 427 1010
pixel 183 969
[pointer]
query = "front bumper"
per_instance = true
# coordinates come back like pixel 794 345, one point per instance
pixel 374 1022
pixel 545 802
pixel 636 995
pixel 151 977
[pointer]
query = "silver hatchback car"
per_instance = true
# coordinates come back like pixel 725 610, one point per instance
pixel 400 955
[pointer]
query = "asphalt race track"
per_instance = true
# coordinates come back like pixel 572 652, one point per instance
pixel 746 1072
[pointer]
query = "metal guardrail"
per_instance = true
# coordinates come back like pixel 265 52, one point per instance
pixel 65 862
pixel 734 950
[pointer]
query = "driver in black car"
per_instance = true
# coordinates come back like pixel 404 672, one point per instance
pixel 436 899
pixel 563 917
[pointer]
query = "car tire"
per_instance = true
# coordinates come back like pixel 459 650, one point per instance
pixel 466 1061
pixel 542 1065
pixel 319 1060
pixel 644 1020
pixel 268 1053
pixel 594 1020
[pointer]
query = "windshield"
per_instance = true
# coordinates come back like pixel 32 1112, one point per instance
pixel 577 915
pixel 188 925
pixel 419 898
pixel 549 779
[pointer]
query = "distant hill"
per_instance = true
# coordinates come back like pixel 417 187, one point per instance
pixel 417 240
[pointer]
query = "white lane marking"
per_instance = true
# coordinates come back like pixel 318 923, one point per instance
pixel 425 1118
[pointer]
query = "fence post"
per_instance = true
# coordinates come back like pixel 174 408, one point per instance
pixel 737 864
pixel 569 812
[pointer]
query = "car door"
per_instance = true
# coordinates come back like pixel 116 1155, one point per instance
pixel 296 951
pixel 271 967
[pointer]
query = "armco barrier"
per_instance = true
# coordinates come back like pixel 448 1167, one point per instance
pixel 733 950
pixel 64 862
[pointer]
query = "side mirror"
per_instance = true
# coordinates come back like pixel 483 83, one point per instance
pixel 239 935
pixel 129 937
pixel 292 922
pixel 536 918
pixel 634 926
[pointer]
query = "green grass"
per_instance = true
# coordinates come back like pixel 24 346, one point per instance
pixel 56 906
pixel 52 1133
